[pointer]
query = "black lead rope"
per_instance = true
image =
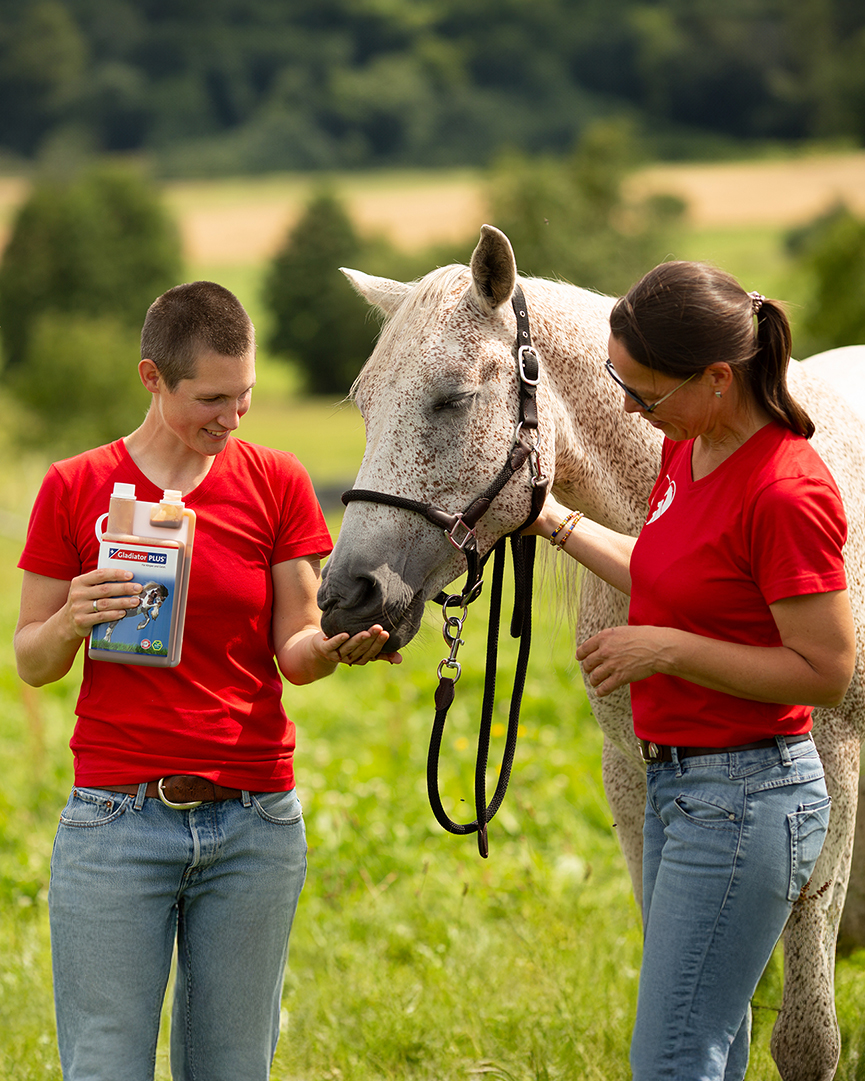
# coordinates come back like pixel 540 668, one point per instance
pixel 521 624
pixel 460 529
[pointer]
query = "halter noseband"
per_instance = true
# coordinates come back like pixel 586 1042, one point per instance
pixel 460 530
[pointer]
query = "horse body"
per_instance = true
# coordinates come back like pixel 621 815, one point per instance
pixel 439 400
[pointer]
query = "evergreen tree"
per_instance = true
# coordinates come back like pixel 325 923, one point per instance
pixel 84 262
pixel 318 321
pixel 830 253
pixel 80 385
pixel 101 245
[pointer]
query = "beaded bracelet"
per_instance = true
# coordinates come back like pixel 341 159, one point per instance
pixel 568 524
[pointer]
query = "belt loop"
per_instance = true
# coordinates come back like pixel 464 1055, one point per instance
pixel 786 760
pixel 140 796
pixel 677 762
pixel 245 798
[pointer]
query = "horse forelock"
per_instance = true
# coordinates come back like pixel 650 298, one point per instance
pixel 436 294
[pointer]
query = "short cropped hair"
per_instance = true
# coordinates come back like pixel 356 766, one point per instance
pixel 189 320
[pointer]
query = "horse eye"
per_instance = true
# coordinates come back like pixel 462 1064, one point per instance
pixel 454 401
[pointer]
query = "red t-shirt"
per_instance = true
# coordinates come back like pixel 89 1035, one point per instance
pixel 713 554
pixel 219 713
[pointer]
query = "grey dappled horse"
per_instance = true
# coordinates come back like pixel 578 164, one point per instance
pixel 439 399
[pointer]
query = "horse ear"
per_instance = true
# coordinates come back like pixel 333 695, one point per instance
pixel 382 293
pixel 494 270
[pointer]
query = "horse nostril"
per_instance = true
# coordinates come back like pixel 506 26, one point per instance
pixel 350 603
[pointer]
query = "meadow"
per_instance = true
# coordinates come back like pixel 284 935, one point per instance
pixel 412 959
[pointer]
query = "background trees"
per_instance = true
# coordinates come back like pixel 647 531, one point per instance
pixel 830 253
pixel 251 85
pixel 84 261
pixel 539 91
pixel 317 320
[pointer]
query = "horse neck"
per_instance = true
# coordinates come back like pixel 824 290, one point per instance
pixel 605 460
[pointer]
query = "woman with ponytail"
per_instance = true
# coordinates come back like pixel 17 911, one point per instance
pixel 739 624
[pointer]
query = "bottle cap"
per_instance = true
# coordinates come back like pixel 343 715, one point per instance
pixel 123 491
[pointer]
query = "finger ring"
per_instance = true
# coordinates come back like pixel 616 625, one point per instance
pixel 95 609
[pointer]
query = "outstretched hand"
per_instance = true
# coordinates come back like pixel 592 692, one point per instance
pixel 360 648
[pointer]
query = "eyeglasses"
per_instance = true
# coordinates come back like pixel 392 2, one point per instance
pixel 646 408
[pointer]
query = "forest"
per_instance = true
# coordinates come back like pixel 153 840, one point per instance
pixel 205 87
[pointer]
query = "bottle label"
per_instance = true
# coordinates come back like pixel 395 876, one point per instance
pixel 146 629
pixel 136 555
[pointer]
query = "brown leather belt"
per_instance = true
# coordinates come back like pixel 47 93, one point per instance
pixel 181 793
pixel 656 752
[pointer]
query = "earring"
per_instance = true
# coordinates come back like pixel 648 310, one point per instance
pixel 718 394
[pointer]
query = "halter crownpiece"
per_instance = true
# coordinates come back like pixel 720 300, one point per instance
pixel 756 301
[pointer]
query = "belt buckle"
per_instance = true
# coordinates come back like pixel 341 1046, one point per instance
pixel 175 806
pixel 649 752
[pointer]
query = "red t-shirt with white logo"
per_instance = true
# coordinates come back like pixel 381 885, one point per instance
pixel 219 713
pixel 766 524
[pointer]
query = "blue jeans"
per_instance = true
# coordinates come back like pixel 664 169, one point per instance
pixel 131 877
pixel 729 840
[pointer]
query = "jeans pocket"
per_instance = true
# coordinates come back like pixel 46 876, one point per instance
pixel 705 813
pixel 88 807
pixel 807 826
pixel 283 808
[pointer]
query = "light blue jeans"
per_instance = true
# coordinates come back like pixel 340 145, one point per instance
pixel 131 877
pixel 729 840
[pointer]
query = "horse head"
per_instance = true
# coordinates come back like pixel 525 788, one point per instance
pixel 440 398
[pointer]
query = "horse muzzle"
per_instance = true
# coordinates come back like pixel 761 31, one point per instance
pixel 354 604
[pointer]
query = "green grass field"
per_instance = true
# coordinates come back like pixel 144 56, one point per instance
pixel 411 957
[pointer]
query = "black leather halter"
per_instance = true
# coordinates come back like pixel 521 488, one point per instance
pixel 461 532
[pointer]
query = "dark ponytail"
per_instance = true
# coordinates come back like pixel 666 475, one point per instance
pixel 767 370
pixel 681 317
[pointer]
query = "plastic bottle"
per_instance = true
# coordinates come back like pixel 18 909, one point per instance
pixel 154 540
pixel 121 509
pixel 168 512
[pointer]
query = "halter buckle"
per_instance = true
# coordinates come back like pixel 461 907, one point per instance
pixel 522 352
pixel 470 538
